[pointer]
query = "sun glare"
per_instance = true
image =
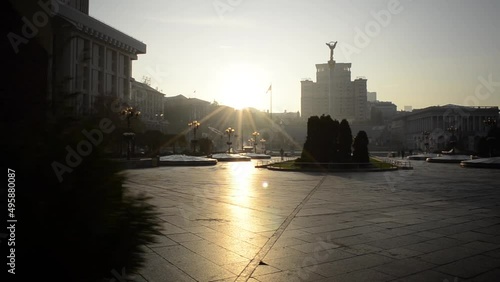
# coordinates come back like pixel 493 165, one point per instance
pixel 241 175
pixel 243 86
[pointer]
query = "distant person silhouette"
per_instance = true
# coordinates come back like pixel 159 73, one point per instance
pixel 282 153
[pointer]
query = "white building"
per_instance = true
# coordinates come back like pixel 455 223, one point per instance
pixel 338 97
pixel 88 58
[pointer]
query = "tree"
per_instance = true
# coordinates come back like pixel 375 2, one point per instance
pixel 325 139
pixel 322 140
pixel 312 146
pixel 344 142
pixel 333 141
pixel 360 146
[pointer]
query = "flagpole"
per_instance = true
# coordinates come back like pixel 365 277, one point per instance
pixel 270 89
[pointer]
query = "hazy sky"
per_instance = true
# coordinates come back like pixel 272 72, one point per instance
pixel 417 53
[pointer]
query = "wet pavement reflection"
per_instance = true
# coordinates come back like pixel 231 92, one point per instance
pixel 235 222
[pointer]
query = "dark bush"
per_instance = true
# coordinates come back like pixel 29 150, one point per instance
pixel 360 146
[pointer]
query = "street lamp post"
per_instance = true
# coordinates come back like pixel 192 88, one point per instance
pixel 282 126
pixel 255 134
pixel 490 122
pixel 159 118
pixel 195 125
pixel 229 132
pixel 262 141
pixel 252 141
pixel 129 113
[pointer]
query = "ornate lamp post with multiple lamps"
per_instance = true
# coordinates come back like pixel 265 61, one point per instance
pixel 252 141
pixel 229 131
pixel 159 119
pixel 194 125
pixel 129 113
pixel 255 134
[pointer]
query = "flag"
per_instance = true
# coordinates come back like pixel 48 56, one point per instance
pixel 270 88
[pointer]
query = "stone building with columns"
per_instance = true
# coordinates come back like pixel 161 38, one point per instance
pixel 87 58
pixel 434 127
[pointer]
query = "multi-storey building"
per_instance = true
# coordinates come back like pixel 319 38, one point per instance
pixel 334 94
pixel 149 102
pixel 371 96
pixel 438 125
pixel 88 58
pixel 360 99
pixel 387 110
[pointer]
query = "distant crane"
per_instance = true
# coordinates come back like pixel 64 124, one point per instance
pixel 218 132
pixel 215 130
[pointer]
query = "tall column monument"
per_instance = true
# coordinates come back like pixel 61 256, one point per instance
pixel 331 66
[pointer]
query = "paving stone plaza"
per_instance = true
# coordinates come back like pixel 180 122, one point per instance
pixel 235 222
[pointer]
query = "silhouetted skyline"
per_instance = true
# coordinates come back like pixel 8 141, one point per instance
pixel 414 53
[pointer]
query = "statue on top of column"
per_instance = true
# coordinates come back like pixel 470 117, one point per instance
pixel 331 45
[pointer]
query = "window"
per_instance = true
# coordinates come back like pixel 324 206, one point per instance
pixel 97 55
pixel 94 80
pixel 113 85
pixel 109 59
pixel 126 88
pixel 86 52
pixel 85 78
pixel 100 83
pixel 113 61
pixel 77 78
pixel 126 64
pixel 101 56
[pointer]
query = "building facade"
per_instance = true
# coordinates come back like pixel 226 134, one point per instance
pixel 360 99
pixel 149 102
pixel 371 96
pixel 89 58
pixel 334 93
pixel 386 110
pixel 438 125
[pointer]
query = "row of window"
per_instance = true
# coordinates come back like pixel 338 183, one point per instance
pixel 100 83
pixel 471 123
pixel 95 69
pixel 100 57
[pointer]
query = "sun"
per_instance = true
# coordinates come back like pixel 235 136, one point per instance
pixel 242 86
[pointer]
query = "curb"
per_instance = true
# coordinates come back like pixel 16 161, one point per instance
pixel 270 167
